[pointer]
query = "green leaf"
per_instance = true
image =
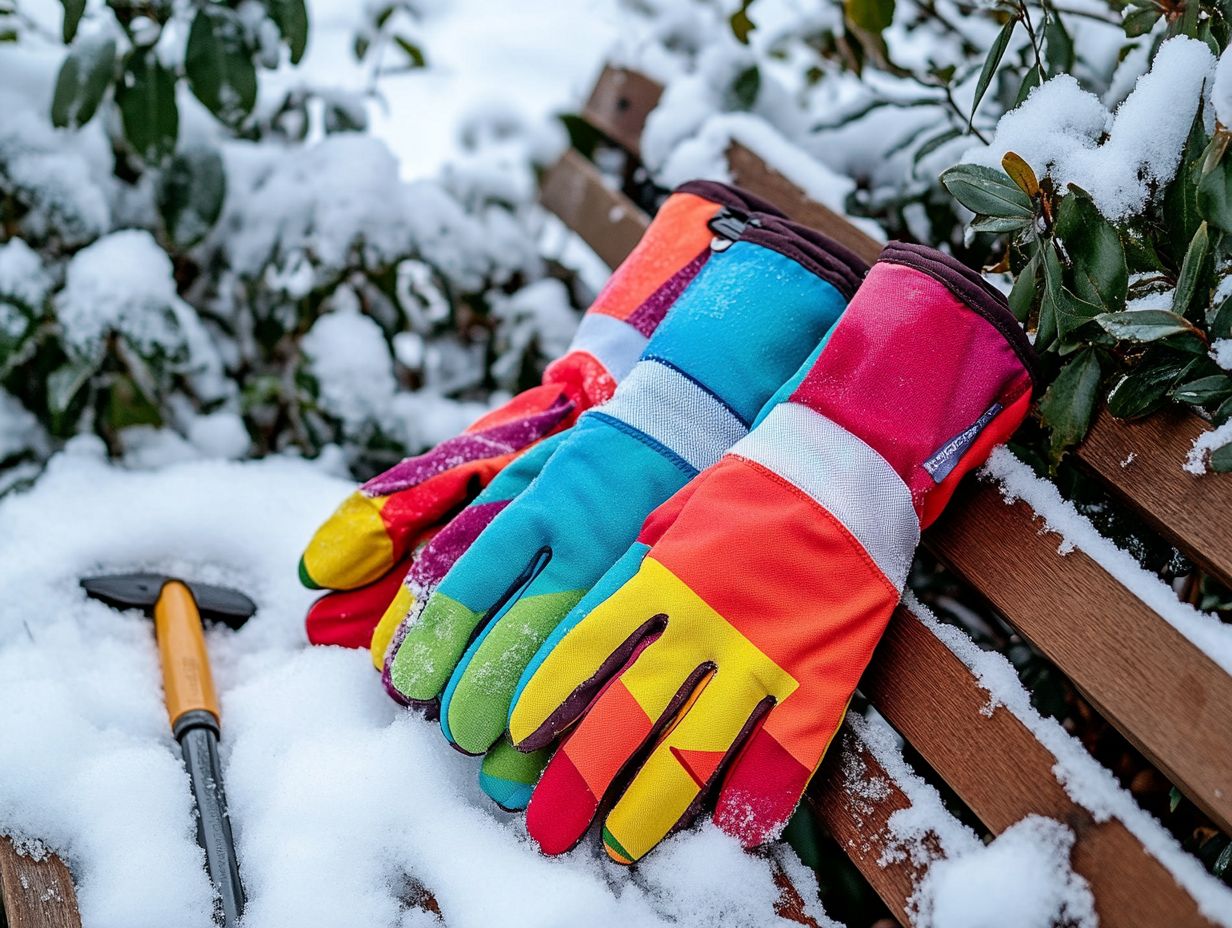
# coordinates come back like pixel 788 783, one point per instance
pixel 870 15
pixel 66 381
pixel 1215 195
pixel 1204 391
pixel 744 89
pixel 414 54
pixel 1145 325
pixel 1022 294
pixel 1030 81
pixel 987 192
pixel 219 64
pixel 84 77
pixel 1100 273
pixel 1219 318
pixel 291 17
pixel 1144 390
pixel 190 195
pixel 998 224
pixel 1191 272
pixel 1140 22
pixel 741 25
pixel 1174 799
pixel 1059 51
pixel 1046 327
pixel 930 146
pixel 1225 856
pixel 1068 404
pixel 72 18
pixel 1221 463
pixel 146 97
pixel 995 53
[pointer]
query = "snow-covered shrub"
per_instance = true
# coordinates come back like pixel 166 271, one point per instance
pixel 185 248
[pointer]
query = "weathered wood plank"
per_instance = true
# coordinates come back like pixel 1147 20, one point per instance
pixel 1167 697
pixel 608 221
pixel 619 105
pixel 934 701
pixel 1141 462
pixel 36 893
pixel 860 826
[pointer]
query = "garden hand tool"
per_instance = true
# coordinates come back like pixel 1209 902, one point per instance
pixel 717 658
pixel 372 533
pixel 192 704
pixel 767 293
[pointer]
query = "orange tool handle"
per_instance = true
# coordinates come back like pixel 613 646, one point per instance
pixel 187 683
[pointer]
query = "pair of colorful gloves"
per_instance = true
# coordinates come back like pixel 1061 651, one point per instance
pixel 779 452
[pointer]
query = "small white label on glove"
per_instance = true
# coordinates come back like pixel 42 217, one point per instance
pixel 946 458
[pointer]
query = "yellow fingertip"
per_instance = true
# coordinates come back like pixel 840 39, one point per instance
pixel 352 548
pixel 397 610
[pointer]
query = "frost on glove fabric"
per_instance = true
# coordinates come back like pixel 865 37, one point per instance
pixel 749 318
pixel 363 548
pixel 728 640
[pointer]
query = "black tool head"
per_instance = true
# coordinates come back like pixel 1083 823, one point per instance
pixel 140 591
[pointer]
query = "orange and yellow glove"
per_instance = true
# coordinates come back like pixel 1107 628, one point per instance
pixel 717 658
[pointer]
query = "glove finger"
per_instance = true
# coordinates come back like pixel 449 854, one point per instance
pixel 627 715
pixel 669 788
pixel 586 650
pixel 349 617
pixel 507 775
pixel 473 594
pixel 435 559
pixel 475 705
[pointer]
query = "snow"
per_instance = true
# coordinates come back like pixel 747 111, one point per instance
pixel 1204 444
pixel 1057 130
pixel 1221 350
pixel 340 800
pixel 23 279
pixel 121 283
pixel 1221 91
pixel 349 358
pixel 1087 783
pixel 1017 481
pixel 1021 880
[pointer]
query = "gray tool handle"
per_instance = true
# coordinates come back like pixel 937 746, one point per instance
pixel 200 749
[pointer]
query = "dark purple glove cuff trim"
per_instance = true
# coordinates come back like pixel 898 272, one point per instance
pixel 973 290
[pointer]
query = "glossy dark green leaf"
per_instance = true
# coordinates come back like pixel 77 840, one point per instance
pixel 1059 47
pixel 1144 390
pixel 1030 81
pixel 190 195
pixel 1022 294
pixel 1221 463
pixel 72 18
pixel 932 144
pixel 745 88
pixel 1215 195
pixel 291 17
pixel 995 53
pixel 1219 318
pixel 219 64
pixel 1205 390
pixel 870 15
pixel 1145 325
pixel 987 192
pixel 1069 402
pixel 1140 22
pixel 1192 272
pixel 146 97
pixel 66 381
pixel 999 224
pixel 1100 273
pixel 414 54
pixel 84 77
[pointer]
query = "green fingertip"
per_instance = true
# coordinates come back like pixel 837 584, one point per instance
pixel 305 578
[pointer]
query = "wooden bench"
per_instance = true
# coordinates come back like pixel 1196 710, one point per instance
pixel 1166 696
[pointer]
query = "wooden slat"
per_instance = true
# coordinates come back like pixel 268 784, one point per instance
pixel 619 105
pixel 860 826
pixel 36 893
pixel 749 171
pixel 1171 700
pixel 1194 513
pixel 934 701
pixel 608 221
